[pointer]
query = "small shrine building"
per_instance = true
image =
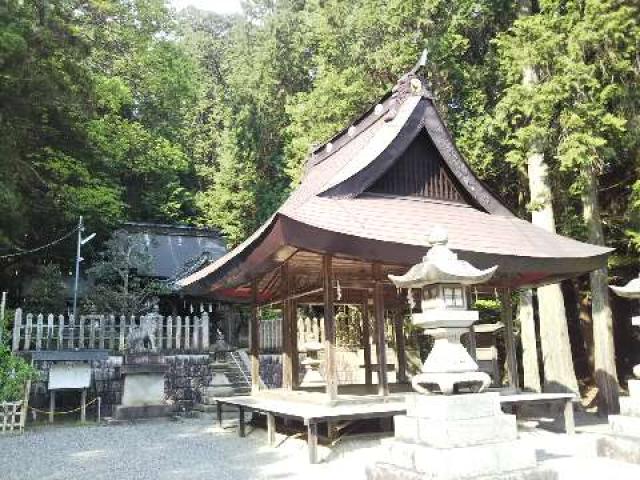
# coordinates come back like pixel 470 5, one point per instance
pixel 365 206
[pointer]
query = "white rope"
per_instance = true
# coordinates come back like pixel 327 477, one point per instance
pixel 37 249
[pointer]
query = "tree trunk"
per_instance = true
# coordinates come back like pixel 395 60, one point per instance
pixel 586 323
pixel 603 346
pixel 554 335
pixel 529 344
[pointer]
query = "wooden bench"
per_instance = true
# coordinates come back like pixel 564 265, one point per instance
pixel 515 400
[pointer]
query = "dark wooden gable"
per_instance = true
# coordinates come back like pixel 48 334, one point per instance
pixel 420 171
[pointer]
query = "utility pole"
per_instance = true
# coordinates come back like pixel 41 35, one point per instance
pixel 81 241
pixel 3 304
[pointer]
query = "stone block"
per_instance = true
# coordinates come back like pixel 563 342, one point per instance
pixel 148 411
pixel 454 407
pixel 619 448
pixel 383 471
pixel 144 389
pixel 625 425
pixel 634 389
pixel 475 461
pixel 630 406
pixel 456 433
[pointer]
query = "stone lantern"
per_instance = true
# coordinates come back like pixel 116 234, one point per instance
pixel 443 280
pixel 451 437
pixel 627 423
pixel 631 290
pixel 312 376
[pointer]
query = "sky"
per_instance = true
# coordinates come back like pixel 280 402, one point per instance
pixel 218 6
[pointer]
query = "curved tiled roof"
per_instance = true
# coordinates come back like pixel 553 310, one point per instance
pixel 331 208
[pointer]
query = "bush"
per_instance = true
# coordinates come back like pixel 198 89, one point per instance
pixel 14 374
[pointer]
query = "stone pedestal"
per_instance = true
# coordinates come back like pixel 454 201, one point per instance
pixel 312 376
pixel 143 395
pixel 456 437
pixel 624 443
pixel 628 422
pixel 220 386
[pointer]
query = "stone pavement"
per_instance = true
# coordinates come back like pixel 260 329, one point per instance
pixel 193 449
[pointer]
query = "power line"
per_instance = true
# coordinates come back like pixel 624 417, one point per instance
pixel 37 249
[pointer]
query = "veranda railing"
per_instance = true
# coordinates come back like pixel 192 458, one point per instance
pixel 57 332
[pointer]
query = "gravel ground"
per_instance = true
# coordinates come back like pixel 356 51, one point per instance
pixel 194 449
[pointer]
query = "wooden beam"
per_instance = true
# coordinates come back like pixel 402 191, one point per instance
pixel 294 296
pixel 510 344
pixel 378 311
pixel 329 329
pixel 366 340
pixel 254 339
pixel 400 346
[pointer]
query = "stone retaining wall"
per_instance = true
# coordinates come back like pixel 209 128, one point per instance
pixel 183 384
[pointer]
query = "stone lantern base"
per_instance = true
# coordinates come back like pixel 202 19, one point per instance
pixel 628 422
pixel 457 437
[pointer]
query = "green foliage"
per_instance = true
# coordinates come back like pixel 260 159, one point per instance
pixel 119 109
pixel 46 292
pixel 96 99
pixel 15 372
pixel 489 309
pixel 120 282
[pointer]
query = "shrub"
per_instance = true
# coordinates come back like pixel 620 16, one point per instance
pixel 14 374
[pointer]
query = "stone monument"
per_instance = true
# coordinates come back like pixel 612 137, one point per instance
pixel 452 429
pixel 144 370
pixel 628 422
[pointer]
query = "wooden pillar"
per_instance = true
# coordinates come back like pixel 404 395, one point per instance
pixel 293 331
pixel 219 413
pixel 83 406
pixel 241 422
pixel 52 405
pixel 366 339
pixel 378 311
pixel 254 339
pixel 510 344
pixel 331 376
pixel 287 354
pixel 473 348
pixel 400 346
pixel 312 442
pixel 271 429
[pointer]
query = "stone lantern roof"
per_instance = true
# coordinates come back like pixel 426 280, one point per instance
pixel 441 265
pixel 630 290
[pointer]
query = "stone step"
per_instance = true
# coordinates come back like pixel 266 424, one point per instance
pixel 625 449
pixel 625 425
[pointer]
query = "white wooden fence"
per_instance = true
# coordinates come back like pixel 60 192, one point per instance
pixel 57 332
pixel 271 335
pixel 271 332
